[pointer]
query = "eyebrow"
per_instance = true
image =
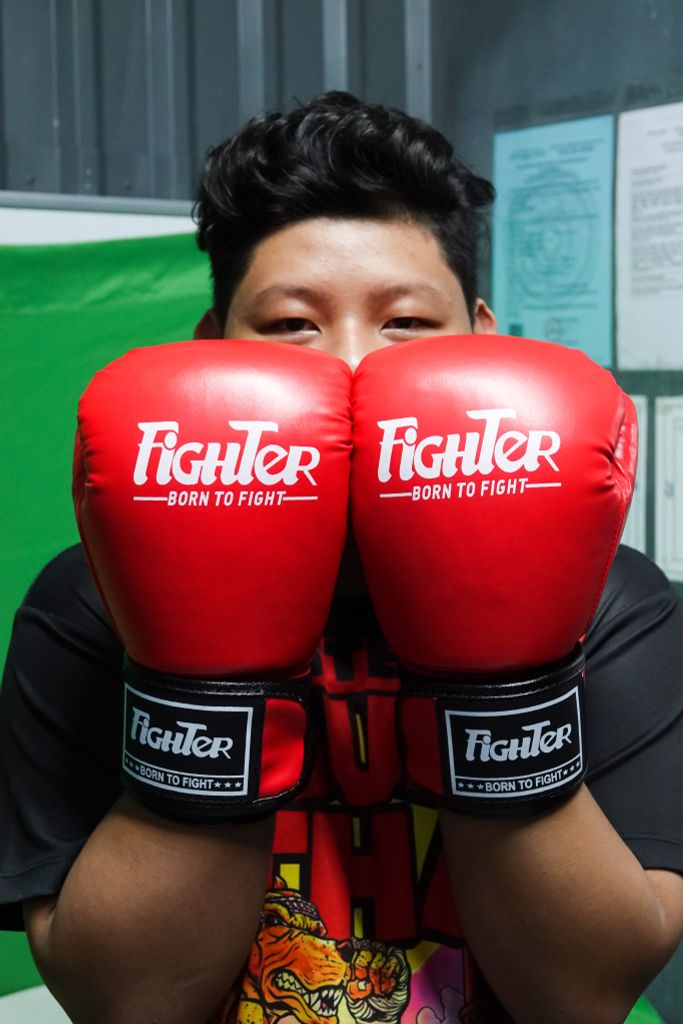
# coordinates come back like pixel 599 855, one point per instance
pixel 392 291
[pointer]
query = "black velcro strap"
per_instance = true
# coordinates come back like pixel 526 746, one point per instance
pixel 193 748
pixel 507 745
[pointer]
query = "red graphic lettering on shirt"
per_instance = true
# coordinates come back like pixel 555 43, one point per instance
pixel 359 708
pixel 360 867
pixel 354 869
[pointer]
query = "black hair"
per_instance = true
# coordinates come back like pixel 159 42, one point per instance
pixel 335 157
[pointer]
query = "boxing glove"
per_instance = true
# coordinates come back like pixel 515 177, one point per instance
pixel 491 479
pixel 211 494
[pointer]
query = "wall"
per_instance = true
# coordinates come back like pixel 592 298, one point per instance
pixel 121 99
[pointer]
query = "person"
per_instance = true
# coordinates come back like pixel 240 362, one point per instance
pixel 345 227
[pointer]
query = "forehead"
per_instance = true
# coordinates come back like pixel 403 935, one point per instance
pixel 339 251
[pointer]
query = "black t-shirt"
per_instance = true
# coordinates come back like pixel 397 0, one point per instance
pixel 60 714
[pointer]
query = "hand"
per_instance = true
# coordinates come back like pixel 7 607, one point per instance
pixel 210 486
pixel 491 479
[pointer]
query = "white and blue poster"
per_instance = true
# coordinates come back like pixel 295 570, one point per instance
pixel 552 234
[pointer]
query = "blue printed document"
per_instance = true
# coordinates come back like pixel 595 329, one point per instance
pixel 552 234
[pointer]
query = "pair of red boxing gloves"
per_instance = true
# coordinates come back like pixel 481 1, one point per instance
pixel 489 479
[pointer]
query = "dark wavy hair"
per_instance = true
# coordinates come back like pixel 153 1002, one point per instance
pixel 335 157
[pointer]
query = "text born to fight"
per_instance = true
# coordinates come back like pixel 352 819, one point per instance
pixel 223 499
pixel 524 785
pixel 173 779
pixel 464 489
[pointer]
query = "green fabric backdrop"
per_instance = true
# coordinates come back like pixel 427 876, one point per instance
pixel 65 311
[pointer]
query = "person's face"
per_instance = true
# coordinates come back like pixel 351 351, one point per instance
pixel 348 287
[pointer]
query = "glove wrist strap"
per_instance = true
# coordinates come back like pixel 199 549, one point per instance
pixel 495 745
pixel 211 751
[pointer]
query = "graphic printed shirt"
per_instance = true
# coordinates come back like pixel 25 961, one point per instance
pixel 360 899
pixel 358 924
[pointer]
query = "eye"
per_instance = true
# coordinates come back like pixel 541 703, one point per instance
pixel 291 325
pixel 404 323
pixel 408 325
pixel 272 921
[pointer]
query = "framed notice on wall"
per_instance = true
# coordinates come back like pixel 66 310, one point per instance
pixel 649 238
pixel 552 234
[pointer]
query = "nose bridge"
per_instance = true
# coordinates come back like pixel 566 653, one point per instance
pixel 350 340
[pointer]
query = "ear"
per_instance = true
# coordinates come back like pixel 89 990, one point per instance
pixel 484 320
pixel 209 327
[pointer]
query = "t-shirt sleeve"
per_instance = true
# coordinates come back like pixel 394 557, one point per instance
pixel 634 710
pixel 59 731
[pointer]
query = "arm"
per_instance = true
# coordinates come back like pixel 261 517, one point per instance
pixel 564 922
pixel 155 918
pixel 600 924
pixel 219 614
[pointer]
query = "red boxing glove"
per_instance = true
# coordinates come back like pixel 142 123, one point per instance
pixel 211 492
pixel 490 483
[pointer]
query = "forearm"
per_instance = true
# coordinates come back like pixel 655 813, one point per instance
pixel 154 920
pixel 563 920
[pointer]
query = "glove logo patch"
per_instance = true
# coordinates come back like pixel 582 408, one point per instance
pixel 495 455
pixel 183 748
pixel 528 750
pixel 204 466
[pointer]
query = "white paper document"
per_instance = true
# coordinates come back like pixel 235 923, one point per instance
pixel 669 486
pixel 649 238
pixel 635 531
